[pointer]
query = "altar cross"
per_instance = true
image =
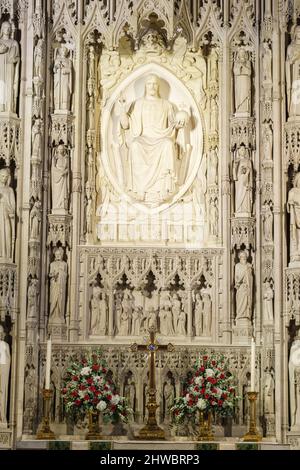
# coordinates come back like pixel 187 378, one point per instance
pixel 151 430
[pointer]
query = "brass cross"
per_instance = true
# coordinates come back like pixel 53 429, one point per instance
pixel 151 430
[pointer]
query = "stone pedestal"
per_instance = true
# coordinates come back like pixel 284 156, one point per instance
pixel 242 332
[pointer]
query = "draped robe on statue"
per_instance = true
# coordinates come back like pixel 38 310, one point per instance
pixel 152 152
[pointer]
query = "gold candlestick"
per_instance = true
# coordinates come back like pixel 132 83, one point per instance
pixel 45 432
pixel 252 435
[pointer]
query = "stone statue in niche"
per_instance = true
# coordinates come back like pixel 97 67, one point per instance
pixel 98 312
pixel 169 396
pixel 242 71
pixel 7 216
pixel 243 279
pixel 58 287
pixel 137 315
pixel 293 74
pixel 267 217
pixel 269 388
pixel 206 312
pixel 268 296
pixel 212 167
pixel 32 296
pixel 157 134
pixel 130 393
pixel 176 308
pixel 62 69
pixel 213 217
pixel 293 207
pixel 126 313
pixel 9 69
pixel 294 381
pixel 4 377
pixel 38 58
pixel 181 324
pixel 267 142
pixel 266 64
pixel 243 177
pixel 37 139
pixel 60 180
pixel 198 309
pixel 165 314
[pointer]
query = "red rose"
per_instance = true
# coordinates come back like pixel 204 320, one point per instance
pixel 95 367
pixel 202 368
pixel 89 380
pixel 109 397
pixel 214 390
pixel 86 397
pixel 75 378
pixel 92 388
pixel 224 395
pixel 213 363
pixel 95 401
pixel 103 370
pixel 113 408
pixel 77 402
pixel 82 387
pixel 190 403
pixel 196 389
pixel 202 391
pixel 177 412
pixel 74 393
pixel 206 396
pixel 64 390
pixel 204 358
pixel 222 376
pixel 231 390
pixel 220 402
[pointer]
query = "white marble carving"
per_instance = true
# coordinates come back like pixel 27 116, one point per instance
pixel 9 69
pixel 243 177
pixel 4 377
pixel 169 396
pixel 130 393
pixel 7 216
pixel 269 392
pixel 62 70
pixel 244 287
pixel 206 312
pixel 99 310
pixel 155 128
pixel 294 381
pixel 60 180
pixel 32 296
pixel 293 74
pixel 35 221
pixel 268 296
pixel 267 218
pixel 293 207
pixel 58 287
pixel 242 71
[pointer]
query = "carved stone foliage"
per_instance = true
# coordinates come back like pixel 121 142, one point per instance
pixel 129 290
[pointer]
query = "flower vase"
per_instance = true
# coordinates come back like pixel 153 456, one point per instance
pixel 93 433
pixel 205 431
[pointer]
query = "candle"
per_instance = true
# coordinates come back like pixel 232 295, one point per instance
pixel 48 364
pixel 252 385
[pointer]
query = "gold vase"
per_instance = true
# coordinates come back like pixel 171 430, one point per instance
pixel 205 431
pixel 94 433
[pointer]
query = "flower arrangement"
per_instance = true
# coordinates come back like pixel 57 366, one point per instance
pixel 209 389
pixel 88 388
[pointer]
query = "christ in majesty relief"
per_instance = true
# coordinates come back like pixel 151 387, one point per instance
pixel 158 139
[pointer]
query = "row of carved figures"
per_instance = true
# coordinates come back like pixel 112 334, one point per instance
pixel 137 311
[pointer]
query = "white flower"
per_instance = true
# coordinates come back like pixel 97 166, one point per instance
pixel 115 399
pixel 201 404
pixel 85 371
pixel 81 393
pixel 98 379
pixel 209 373
pixel 218 391
pixel 198 380
pixel 101 405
